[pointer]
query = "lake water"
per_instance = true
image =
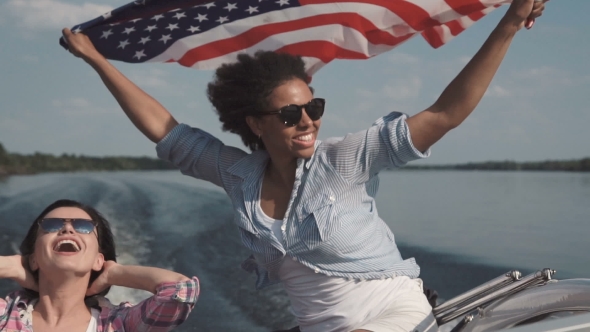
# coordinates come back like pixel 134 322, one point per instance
pixel 464 228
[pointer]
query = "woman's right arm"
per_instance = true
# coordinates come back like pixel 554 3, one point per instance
pixel 146 113
pixel 12 267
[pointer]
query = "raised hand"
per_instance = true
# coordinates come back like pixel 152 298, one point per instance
pixel 522 12
pixel 79 44
pixel 13 267
pixel 102 282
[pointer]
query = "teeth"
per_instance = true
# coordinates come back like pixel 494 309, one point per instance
pixel 58 245
pixel 307 137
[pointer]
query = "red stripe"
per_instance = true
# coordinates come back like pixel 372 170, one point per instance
pixel 466 7
pixel 455 27
pixel 325 50
pixel 255 35
pixel 412 14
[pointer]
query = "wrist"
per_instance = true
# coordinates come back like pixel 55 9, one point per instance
pixel 510 25
pixel 94 59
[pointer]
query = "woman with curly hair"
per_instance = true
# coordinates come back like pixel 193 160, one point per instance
pixel 304 207
pixel 68 264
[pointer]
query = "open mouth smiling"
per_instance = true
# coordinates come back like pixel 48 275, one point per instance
pixel 66 245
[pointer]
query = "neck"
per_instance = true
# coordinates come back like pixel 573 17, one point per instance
pixel 61 298
pixel 282 170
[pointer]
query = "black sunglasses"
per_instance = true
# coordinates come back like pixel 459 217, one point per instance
pixel 82 226
pixel 291 114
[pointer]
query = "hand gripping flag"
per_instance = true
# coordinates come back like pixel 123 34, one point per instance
pixel 203 34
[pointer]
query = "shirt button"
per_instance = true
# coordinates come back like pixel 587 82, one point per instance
pixel 294 258
pixel 283 228
pixel 317 271
pixel 332 198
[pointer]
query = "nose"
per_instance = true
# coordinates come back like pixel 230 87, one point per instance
pixel 67 228
pixel 305 121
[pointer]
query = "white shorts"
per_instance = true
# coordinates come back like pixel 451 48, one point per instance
pixel 408 312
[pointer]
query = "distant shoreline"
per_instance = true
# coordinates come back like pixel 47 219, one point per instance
pixel 18 164
pixel 577 165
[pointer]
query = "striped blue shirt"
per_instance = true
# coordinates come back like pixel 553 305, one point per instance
pixel 331 224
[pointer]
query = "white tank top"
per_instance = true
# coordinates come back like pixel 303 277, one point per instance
pixel 324 303
pixel 93 325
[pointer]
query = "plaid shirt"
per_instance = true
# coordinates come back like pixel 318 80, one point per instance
pixel 165 310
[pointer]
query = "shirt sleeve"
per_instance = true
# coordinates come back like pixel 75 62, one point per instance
pixel 3 311
pixel 386 144
pixel 198 154
pixel 165 310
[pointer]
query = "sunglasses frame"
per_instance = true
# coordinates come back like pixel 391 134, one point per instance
pixel 281 112
pixel 72 222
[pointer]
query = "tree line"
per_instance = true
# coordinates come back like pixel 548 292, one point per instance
pixel 578 165
pixel 14 163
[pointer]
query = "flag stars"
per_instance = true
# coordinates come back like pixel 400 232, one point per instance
pixel 77 30
pixel 180 15
pixel 135 20
pixel 129 30
pixel 231 6
pixel 151 27
pixel 106 34
pixel 171 26
pixel 193 29
pixel 144 40
pixel 123 43
pixel 139 55
pixel 106 16
pixel 282 2
pixel 157 17
pixel 251 10
pixel 222 19
pixel 165 38
pixel 209 5
pixel 201 17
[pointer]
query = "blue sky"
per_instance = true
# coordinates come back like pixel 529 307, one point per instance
pixel 537 107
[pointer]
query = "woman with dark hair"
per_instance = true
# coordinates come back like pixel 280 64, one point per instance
pixel 68 265
pixel 304 207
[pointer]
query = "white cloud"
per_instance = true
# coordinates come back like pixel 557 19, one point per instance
pixel 79 106
pixel 497 91
pixel 399 58
pixel 30 59
pixel 50 14
pixel 152 78
pixel 401 89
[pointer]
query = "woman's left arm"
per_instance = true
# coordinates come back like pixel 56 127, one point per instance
pixel 174 296
pixel 463 94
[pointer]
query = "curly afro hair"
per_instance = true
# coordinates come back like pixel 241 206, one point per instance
pixel 242 89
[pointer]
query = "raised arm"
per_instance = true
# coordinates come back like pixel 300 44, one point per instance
pixel 146 113
pixel 463 94
pixel 174 296
pixel 131 276
pixel 12 267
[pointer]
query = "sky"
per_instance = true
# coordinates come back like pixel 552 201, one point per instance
pixel 537 107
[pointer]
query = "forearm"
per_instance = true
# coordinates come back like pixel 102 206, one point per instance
pixel 9 267
pixel 146 113
pixel 463 94
pixel 142 277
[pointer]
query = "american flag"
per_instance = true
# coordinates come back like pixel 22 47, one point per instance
pixel 203 35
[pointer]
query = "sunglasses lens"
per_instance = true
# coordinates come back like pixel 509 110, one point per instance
pixel 51 225
pixel 83 226
pixel 290 115
pixel 315 109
